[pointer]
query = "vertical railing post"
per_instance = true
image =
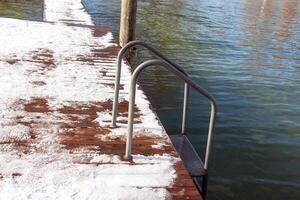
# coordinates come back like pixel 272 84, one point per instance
pixel 131 116
pixel 211 127
pixel 127 21
pixel 117 89
pixel 185 107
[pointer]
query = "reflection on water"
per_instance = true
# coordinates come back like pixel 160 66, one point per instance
pixel 247 54
pixel 22 9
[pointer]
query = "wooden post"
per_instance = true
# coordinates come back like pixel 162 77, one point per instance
pixel 127 21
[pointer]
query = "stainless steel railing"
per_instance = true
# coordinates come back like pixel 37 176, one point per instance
pixel 118 77
pixel 175 69
pixel 188 81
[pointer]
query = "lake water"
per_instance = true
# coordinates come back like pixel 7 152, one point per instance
pixel 247 54
pixel 22 9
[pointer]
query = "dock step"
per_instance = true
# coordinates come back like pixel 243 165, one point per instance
pixel 191 161
pixel 189 156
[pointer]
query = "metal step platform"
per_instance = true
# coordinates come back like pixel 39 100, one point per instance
pixel 191 160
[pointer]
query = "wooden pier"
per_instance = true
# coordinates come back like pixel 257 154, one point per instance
pixel 57 80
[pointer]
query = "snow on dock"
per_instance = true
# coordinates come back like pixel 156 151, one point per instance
pixel 56 90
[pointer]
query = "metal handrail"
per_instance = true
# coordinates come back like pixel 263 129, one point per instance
pixel 188 81
pixel 160 55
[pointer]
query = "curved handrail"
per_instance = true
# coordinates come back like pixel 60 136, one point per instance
pixel 188 81
pixel 118 76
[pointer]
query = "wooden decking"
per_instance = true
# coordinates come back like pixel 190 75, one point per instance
pixel 55 115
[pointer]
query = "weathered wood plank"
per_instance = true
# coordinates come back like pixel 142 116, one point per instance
pixel 127 21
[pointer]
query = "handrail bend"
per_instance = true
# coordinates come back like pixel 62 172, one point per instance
pixel 121 54
pixel 188 81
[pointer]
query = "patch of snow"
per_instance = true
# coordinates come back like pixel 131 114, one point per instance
pixel 16 132
pixel 106 159
pixel 66 11
pixel 158 145
pixel 55 177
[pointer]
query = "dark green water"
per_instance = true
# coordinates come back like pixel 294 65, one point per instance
pixel 22 9
pixel 247 54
